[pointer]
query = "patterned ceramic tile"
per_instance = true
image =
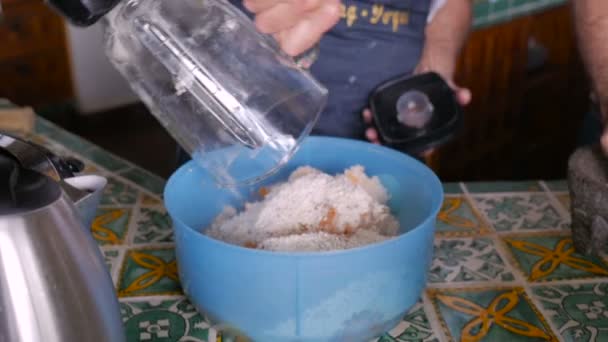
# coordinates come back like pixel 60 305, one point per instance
pixel 524 211
pixel 458 218
pixel 106 160
pixel 110 225
pixel 153 225
pixel 481 9
pixel 43 126
pixel 56 147
pixel 468 260
pixel 37 139
pixel 557 185
pixel 500 5
pixel 520 2
pixel 146 180
pixel 489 187
pixel 90 168
pixel 546 257
pixel 492 12
pixel 149 200
pixel 148 272
pixel 113 260
pixel 163 321
pixel 67 139
pixel 467 254
pixel 580 312
pixel 564 199
pixel 118 193
pixel 415 326
pixel 489 314
pixel 452 188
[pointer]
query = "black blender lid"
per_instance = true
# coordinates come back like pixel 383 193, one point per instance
pixel 445 122
pixel 23 190
pixel 83 12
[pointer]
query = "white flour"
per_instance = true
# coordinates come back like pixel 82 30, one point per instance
pixel 312 211
pixel 366 302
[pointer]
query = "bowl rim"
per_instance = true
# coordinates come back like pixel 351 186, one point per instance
pixel 391 153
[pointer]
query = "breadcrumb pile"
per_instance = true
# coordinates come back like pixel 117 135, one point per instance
pixel 311 211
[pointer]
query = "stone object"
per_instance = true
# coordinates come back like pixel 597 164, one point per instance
pixel 588 186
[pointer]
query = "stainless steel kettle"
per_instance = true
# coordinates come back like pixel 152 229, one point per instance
pixel 54 285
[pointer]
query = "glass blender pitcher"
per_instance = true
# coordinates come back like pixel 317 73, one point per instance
pixel 226 92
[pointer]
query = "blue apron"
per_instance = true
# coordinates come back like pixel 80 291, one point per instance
pixel 375 41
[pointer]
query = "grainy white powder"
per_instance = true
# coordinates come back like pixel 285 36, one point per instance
pixel 312 211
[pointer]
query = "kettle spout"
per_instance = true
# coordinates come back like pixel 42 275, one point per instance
pixel 85 192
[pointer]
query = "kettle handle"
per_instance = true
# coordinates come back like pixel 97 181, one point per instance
pixel 8 176
pixel 37 158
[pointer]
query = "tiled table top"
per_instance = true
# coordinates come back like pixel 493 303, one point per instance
pixel 504 268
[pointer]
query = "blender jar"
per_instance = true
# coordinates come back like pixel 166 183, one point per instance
pixel 226 92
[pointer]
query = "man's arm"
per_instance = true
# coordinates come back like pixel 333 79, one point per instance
pixel 446 34
pixel 591 21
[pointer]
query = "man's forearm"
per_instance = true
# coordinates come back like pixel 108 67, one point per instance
pixel 446 35
pixel 591 21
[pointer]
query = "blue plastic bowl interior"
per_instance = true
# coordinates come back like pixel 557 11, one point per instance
pixel 351 295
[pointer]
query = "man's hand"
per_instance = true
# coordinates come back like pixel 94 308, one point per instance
pixel 445 69
pixel 445 36
pixel 463 96
pixel 296 24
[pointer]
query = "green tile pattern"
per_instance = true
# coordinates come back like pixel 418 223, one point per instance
pixel 485 187
pixel 109 161
pixel 149 271
pixel 491 12
pixel 167 320
pixel 145 179
pixel 452 188
pixel 579 312
pixel 465 315
pixel 467 260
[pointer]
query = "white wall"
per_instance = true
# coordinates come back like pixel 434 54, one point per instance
pixel 97 84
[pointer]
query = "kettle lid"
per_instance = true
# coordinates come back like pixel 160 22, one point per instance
pixel 23 190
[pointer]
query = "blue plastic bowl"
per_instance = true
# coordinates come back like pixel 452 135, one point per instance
pixel 351 295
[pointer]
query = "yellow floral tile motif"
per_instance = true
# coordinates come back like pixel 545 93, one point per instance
pixel 109 227
pixel 458 217
pixel 90 168
pixel 150 271
pixel 489 314
pixel 552 257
